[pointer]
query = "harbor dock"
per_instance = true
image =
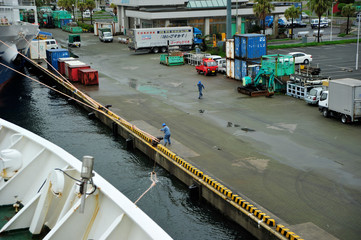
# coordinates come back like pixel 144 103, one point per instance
pixel 278 154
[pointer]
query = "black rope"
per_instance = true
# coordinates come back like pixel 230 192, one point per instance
pixel 67 174
pixel 41 186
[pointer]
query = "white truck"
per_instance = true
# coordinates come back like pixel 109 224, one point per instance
pixel 158 39
pixel 342 100
pixel 105 35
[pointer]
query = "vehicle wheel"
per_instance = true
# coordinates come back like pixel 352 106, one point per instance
pixel 163 49
pixel 325 112
pixel 306 61
pixel 155 50
pixel 344 119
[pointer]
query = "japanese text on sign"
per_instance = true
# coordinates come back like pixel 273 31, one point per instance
pixel 179 42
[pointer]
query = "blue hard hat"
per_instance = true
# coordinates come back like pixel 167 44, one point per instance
pixel 199 82
pixel 163 124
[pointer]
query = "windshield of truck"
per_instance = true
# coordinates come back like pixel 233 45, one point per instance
pixel 107 34
pixel 313 92
pixel 211 64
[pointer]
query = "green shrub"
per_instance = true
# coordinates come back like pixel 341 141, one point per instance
pixel 87 27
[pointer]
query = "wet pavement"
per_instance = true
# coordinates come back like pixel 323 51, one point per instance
pixel 278 152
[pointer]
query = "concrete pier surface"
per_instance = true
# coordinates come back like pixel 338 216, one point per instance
pixel 279 152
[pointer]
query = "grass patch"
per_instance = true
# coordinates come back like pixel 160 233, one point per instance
pixel 280 40
pixel 295 45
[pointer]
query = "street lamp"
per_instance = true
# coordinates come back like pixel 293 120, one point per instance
pixel 358 37
pixel 331 21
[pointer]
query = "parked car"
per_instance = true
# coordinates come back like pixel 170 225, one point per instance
pixel 222 65
pixel 299 24
pixel 325 19
pixel 314 23
pixel 214 57
pixel 282 22
pixel 313 96
pixel 301 57
pixel 304 15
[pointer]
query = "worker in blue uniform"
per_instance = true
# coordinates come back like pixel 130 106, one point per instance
pixel 200 88
pixel 166 131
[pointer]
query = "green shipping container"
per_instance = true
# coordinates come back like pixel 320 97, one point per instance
pixel 76 30
pixel 171 60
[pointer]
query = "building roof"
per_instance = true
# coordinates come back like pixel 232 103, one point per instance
pixel 207 3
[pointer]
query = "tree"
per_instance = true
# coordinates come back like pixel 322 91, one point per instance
pixel 66 4
pixel 261 9
pixel 292 13
pixel 348 11
pixel 90 4
pixel 82 8
pixel 319 7
pixel 115 8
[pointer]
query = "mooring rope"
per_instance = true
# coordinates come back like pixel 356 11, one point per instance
pixel 95 104
pixel 153 178
pixel 64 78
pixel 90 105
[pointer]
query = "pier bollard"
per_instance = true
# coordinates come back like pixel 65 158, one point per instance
pixel 129 143
pixel 195 192
pixel 91 115
pixel 115 128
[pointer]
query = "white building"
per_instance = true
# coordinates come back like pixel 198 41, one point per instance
pixel 207 15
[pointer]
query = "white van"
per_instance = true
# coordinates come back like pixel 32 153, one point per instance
pixel 51 44
pixel 86 14
pixel 314 23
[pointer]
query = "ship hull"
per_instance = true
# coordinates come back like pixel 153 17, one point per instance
pixel 14 38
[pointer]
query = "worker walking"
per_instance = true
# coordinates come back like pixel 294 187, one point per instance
pixel 166 131
pixel 200 88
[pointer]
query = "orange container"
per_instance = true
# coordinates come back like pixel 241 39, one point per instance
pixel 73 71
pixel 88 76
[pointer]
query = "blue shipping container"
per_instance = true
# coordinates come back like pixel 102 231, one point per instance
pixel 64 22
pixel 250 46
pixel 240 69
pixel 52 56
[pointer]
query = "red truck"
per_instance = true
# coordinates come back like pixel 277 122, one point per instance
pixel 207 67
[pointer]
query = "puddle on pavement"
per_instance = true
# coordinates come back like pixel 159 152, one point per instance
pixel 133 83
pixel 152 90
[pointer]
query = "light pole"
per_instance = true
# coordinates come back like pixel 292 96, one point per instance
pixel 358 37
pixel 331 21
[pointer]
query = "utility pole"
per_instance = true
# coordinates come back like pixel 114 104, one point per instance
pixel 331 21
pixel 358 37
pixel 229 19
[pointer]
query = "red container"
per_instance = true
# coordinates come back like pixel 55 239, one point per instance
pixel 73 71
pixel 88 76
pixel 61 64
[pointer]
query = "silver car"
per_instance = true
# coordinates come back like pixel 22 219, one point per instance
pixel 313 96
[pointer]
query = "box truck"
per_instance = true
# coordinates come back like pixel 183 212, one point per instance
pixel 158 39
pixel 342 100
